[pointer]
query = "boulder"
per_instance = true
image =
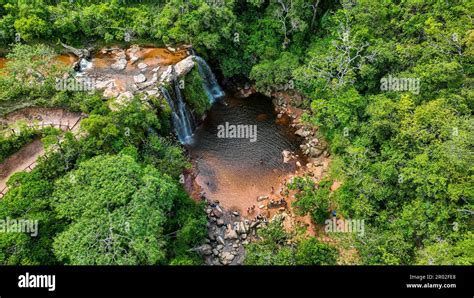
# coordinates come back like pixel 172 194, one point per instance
pixel 230 234
pixel 132 53
pixel 226 258
pixel 142 66
pixel 303 133
pixel 205 249
pixel 217 211
pixel 314 152
pixel 243 228
pixel 184 66
pixel 139 78
pixel 220 240
pixel 111 92
pixel 120 64
pixel 286 156
pixel 148 83
pixel 166 76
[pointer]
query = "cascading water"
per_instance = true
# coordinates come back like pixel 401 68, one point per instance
pixel 179 114
pixel 213 90
pixel 181 117
pixel 84 64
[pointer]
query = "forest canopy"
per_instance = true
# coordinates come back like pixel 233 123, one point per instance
pixel 403 154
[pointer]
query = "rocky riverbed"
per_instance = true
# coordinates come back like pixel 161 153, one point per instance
pixel 228 233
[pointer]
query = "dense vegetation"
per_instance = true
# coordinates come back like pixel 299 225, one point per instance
pixel 404 157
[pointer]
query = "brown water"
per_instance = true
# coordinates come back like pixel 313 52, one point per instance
pixel 236 171
pixel 67 59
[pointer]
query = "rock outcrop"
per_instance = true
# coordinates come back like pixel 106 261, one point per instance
pixel 228 232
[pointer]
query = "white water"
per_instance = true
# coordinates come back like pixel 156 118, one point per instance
pixel 182 119
pixel 213 90
pixel 180 115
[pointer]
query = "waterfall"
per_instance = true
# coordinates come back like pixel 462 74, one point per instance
pixel 84 64
pixel 180 115
pixel 213 90
pixel 182 119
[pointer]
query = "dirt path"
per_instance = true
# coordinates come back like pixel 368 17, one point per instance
pixel 40 117
pixel 25 158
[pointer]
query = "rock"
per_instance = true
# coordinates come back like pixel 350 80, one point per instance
pixel 166 76
pixel 220 222
pixel 142 66
pixel 205 249
pixel 242 228
pixel 254 224
pixel 155 69
pixel 132 53
pixel 111 92
pixel 303 133
pixel 152 92
pixel 235 245
pixel 226 257
pixel 124 97
pixel 184 66
pixel 139 78
pixel 220 240
pixel 220 247
pixel 245 242
pixel 215 252
pixel 262 198
pixel 211 236
pixel 230 234
pixel 217 211
pixel 120 64
pixel 246 226
pixel 153 80
pixel 81 53
pixel 244 236
pixel 314 152
pixel 104 84
pixel 261 206
pixel 298 164
pixel 286 156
